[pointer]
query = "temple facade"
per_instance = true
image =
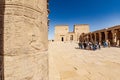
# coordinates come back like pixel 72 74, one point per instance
pixel 62 33
pixel 112 34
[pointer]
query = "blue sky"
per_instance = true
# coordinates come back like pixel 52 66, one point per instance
pixel 98 14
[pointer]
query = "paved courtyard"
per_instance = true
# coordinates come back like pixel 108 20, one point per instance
pixel 66 62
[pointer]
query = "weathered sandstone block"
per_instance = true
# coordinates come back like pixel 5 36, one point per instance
pixel 25 39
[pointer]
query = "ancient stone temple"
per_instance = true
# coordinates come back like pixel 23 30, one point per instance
pixel 62 33
pixel 23 39
pixel 111 34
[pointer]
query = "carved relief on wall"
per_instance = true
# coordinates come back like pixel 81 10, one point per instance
pixel 35 4
pixel 24 30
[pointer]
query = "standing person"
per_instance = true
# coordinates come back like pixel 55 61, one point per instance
pixel 89 45
pixel 80 45
pixel 118 43
pixel 94 46
pixel 85 45
pixel 99 45
pixel 103 44
pixel 109 43
pixel 106 43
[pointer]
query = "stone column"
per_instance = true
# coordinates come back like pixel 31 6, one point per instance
pixel 113 36
pixel 25 40
pixel 106 35
pixel 118 37
pixel 100 36
pixel 95 37
pixel 91 37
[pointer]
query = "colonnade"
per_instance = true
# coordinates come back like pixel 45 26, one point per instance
pixel 112 34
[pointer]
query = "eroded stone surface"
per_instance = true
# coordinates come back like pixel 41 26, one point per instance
pixel 25 40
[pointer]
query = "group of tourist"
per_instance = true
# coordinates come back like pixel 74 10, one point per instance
pixel 93 46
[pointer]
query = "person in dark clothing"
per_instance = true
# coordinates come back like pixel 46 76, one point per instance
pixel 99 45
pixel 94 47
pixel 85 45
pixel 80 45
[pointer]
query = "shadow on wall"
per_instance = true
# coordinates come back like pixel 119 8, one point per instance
pixel 2 10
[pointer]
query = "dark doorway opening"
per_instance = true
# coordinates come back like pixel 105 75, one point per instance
pixel 62 39
pixel 97 37
pixel 103 36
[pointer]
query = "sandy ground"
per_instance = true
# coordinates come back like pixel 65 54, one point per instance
pixel 68 63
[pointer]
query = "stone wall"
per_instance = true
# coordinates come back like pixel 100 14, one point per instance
pixel 25 40
pixel 61 31
pixel 79 29
pixel 71 36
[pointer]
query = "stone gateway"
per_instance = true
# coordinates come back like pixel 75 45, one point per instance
pixel 62 33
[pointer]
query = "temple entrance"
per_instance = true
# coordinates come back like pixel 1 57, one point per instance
pixel 62 39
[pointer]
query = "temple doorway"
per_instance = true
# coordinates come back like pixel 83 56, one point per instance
pixel 62 39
